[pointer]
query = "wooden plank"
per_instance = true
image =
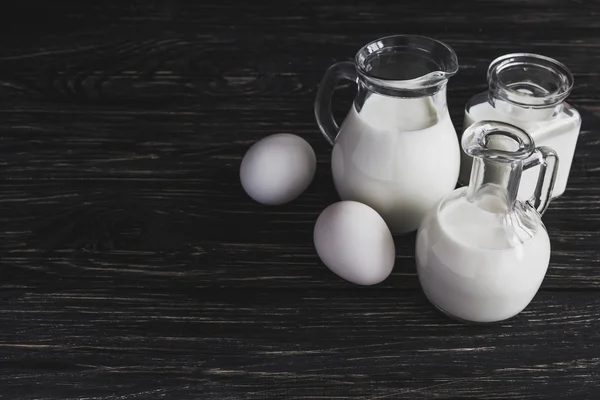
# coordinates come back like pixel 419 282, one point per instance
pixel 498 16
pixel 200 234
pixel 150 69
pixel 108 344
pixel 175 107
pixel 204 146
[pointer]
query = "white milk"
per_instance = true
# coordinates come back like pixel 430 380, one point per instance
pixel 559 133
pixel 472 268
pixel 398 157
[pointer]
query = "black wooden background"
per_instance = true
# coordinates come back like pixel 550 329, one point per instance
pixel 133 266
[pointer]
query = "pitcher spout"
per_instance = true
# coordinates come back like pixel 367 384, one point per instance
pixel 406 65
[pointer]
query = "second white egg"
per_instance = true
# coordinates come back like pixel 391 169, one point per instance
pixel 354 242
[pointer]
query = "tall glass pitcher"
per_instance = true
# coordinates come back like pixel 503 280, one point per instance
pixel 482 253
pixel 397 150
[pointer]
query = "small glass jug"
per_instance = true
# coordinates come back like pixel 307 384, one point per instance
pixel 529 91
pixel 481 253
pixel 397 150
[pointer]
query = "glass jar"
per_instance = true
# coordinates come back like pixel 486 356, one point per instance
pixel 529 91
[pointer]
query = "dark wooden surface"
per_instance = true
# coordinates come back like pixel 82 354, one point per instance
pixel 133 266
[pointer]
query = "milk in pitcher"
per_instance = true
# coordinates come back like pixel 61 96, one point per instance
pixel 470 269
pixel 399 156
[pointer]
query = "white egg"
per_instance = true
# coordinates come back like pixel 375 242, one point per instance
pixel 278 168
pixel 355 243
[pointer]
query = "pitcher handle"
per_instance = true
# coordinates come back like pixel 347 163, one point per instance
pixel 335 73
pixel 547 159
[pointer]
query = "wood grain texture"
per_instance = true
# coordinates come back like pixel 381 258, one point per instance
pixel 161 233
pixel 133 266
pixel 364 343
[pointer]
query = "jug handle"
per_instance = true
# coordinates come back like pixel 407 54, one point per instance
pixel 335 73
pixel 547 159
